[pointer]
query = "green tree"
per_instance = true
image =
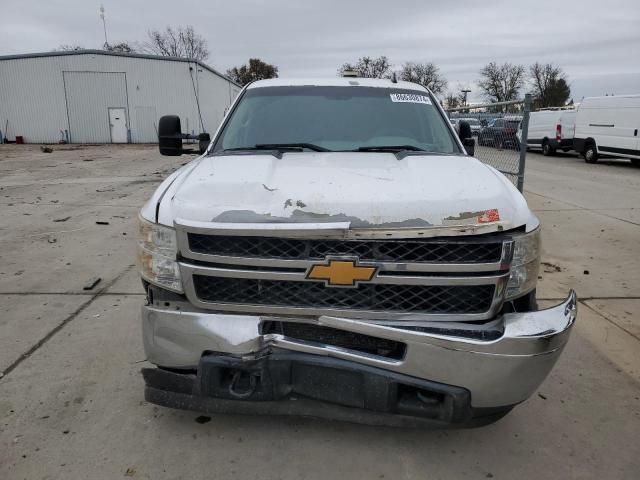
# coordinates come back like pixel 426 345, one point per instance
pixel 549 85
pixel 256 69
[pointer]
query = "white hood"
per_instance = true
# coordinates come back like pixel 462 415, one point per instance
pixel 369 190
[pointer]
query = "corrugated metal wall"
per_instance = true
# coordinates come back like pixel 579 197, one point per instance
pixel 39 105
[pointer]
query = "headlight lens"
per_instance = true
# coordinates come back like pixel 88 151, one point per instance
pixel 525 264
pixel 157 252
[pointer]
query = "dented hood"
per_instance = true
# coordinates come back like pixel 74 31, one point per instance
pixel 368 190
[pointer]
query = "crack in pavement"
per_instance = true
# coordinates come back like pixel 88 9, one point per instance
pixel 34 348
pixel 600 314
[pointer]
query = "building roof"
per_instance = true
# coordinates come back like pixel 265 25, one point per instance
pixel 336 82
pixel 116 54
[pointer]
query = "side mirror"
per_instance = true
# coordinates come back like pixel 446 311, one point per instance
pixel 466 135
pixel 464 130
pixel 203 142
pixel 469 146
pixel 170 136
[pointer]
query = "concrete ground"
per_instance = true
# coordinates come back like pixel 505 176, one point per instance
pixel 71 397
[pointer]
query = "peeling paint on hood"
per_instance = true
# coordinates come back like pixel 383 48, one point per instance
pixel 369 190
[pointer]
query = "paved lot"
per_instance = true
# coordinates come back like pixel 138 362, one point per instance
pixel 71 400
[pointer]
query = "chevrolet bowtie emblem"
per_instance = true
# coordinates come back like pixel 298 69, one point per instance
pixel 341 273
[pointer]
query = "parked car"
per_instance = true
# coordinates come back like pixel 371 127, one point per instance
pixel 550 130
pixel 500 133
pixel 608 127
pixel 317 261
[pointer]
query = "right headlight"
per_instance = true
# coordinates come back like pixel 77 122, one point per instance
pixel 157 254
pixel 525 264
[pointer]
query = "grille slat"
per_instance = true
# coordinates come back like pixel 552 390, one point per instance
pixel 425 299
pixel 410 250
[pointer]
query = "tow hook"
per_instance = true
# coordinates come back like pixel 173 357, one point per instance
pixel 253 381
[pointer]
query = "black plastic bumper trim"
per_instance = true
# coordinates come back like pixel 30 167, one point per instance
pixel 300 384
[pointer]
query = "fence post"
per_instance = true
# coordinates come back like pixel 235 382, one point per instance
pixel 523 141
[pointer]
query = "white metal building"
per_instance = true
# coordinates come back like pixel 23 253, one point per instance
pixel 93 96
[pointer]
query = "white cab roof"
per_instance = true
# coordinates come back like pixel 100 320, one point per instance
pixel 336 82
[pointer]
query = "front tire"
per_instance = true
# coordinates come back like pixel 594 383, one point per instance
pixel 591 154
pixel 635 162
pixel 547 151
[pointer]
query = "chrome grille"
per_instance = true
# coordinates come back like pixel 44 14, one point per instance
pixel 263 269
pixel 454 250
pixel 373 297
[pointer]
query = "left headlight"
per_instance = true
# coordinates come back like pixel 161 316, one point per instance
pixel 157 253
pixel 525 264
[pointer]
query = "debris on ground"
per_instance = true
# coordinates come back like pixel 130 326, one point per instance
pixel 101 222
pixel 52 240
pixel 87 159
pixel 46 149
pixel 586 272
pixel 64 219
pixel 203 419
pixel 542 396
pixel 551 267
pixel 92 283
pixel 130 472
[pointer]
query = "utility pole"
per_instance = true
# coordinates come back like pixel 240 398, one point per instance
pixel 464 101
pixel 104 26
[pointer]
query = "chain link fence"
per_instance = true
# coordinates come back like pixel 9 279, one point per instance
pixel 500 130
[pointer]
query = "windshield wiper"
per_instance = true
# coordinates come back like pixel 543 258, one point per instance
pixel 400 151
pixel 390 148
pixel 284 146
pixel 275 149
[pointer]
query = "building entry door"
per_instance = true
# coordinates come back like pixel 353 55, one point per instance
pixel 118 124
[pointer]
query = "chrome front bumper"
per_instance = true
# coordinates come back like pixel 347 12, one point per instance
pixel 497 373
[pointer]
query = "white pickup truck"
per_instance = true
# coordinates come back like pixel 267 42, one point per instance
pixel 336 253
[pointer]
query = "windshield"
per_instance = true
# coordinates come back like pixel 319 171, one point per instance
pixel 337 119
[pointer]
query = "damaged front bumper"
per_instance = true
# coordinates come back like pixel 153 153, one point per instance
pixel 218 362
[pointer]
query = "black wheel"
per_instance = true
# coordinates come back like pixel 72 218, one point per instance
pixel 546 149
pixel 498 143
pixel 169 132
pixel 591 154
pixel 635 162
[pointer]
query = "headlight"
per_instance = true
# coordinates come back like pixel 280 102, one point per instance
pixel 157 252
pixel 525 264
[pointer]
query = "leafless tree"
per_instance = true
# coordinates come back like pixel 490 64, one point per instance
pixel 368 67
pixel 69 48
pixel 122 47
pixel 179 42
pixel 426 74
pixel 501 83
pixel 451 100
pixel 549 85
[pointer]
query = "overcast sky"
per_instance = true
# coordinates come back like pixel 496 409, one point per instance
pixel 597 42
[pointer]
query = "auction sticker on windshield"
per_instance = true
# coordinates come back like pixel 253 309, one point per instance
pixel 410 98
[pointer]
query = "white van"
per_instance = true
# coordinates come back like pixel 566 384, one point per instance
pixel 608 126
pixel 551 130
